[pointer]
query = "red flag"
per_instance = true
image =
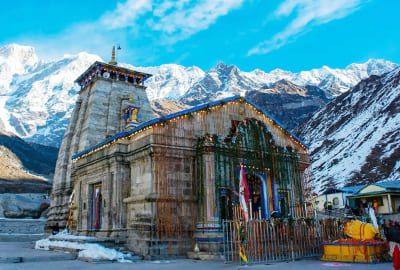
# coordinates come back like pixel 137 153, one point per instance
pixel 243 180
pixel 244 193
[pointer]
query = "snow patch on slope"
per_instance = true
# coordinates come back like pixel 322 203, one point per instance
pixel 355 138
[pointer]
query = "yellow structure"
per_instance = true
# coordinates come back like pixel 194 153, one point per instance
pixel 358 230
pixel 362 247
pixel 349 250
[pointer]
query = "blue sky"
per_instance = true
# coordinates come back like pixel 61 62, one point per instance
pixel 289 34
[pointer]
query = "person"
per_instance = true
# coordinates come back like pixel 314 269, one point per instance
pixel 330 206
pixel 375 205
pixel 326 205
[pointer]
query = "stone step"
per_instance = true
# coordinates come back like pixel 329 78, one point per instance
pixel 82 239
pixel 65 249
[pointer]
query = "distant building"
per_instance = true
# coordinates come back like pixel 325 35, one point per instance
pixel 337 196
pixel 386 194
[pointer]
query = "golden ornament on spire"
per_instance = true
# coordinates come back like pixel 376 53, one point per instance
pixel 113 61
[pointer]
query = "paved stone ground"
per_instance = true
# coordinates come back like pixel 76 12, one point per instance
pixel 23 252
pixel 45 260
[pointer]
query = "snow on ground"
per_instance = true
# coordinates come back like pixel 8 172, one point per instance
pixel 86 250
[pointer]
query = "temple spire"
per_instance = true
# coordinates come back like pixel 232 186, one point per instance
pixel 113 61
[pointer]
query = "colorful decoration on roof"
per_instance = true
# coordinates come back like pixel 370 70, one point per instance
pixel 113 72
pixel 189 113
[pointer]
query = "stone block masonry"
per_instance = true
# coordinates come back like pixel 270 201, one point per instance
pixel 98 114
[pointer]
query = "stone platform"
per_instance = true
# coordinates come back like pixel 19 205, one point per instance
pixel 21 230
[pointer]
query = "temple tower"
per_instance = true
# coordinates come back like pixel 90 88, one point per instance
pixel 112 99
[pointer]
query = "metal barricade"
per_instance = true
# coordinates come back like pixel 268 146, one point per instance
pixel 278 240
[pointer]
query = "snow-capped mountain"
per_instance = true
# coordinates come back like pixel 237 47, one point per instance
pixel 15 60
pixel 355 138
pixel 41 95
pixel 170 81
pixel 37 97
pixel 224 80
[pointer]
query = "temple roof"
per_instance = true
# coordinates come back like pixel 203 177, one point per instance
pixel 182 113
pixel 91 72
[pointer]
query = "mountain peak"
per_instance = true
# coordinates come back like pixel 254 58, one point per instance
pixel 372 66
pixel 224 68
pixel 15 48
pixel 19 54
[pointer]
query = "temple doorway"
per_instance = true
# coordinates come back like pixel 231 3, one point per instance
pixel 96 207
pixel 284 202
pixel 254 183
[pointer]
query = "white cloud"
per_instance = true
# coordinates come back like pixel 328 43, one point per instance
pixel 175 20
pixel 179 19
pixel 189 17
pixel 306 13
pixel 126 14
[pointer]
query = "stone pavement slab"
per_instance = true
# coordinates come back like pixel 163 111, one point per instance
pixel 190 265
pixel 49 260
pixel 17 252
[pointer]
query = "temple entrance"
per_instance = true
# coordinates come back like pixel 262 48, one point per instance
pixel 258 202
pixel 284 202
pixel 254 183
pixel 96 207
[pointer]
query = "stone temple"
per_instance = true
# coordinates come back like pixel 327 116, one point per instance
pixel 160 186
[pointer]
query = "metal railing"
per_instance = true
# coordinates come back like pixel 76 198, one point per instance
pixel 278 240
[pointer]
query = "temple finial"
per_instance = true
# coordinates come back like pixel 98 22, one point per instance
pixel 113 61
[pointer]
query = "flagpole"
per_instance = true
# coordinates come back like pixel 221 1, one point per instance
pixel 251 209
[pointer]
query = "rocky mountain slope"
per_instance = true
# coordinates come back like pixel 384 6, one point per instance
pixel 355 138
pixel 37 159
pixel 289 103
pixel 25 167
pixel 164 107
pixel 37 97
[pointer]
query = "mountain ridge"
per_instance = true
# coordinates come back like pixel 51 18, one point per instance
pixel 37 101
